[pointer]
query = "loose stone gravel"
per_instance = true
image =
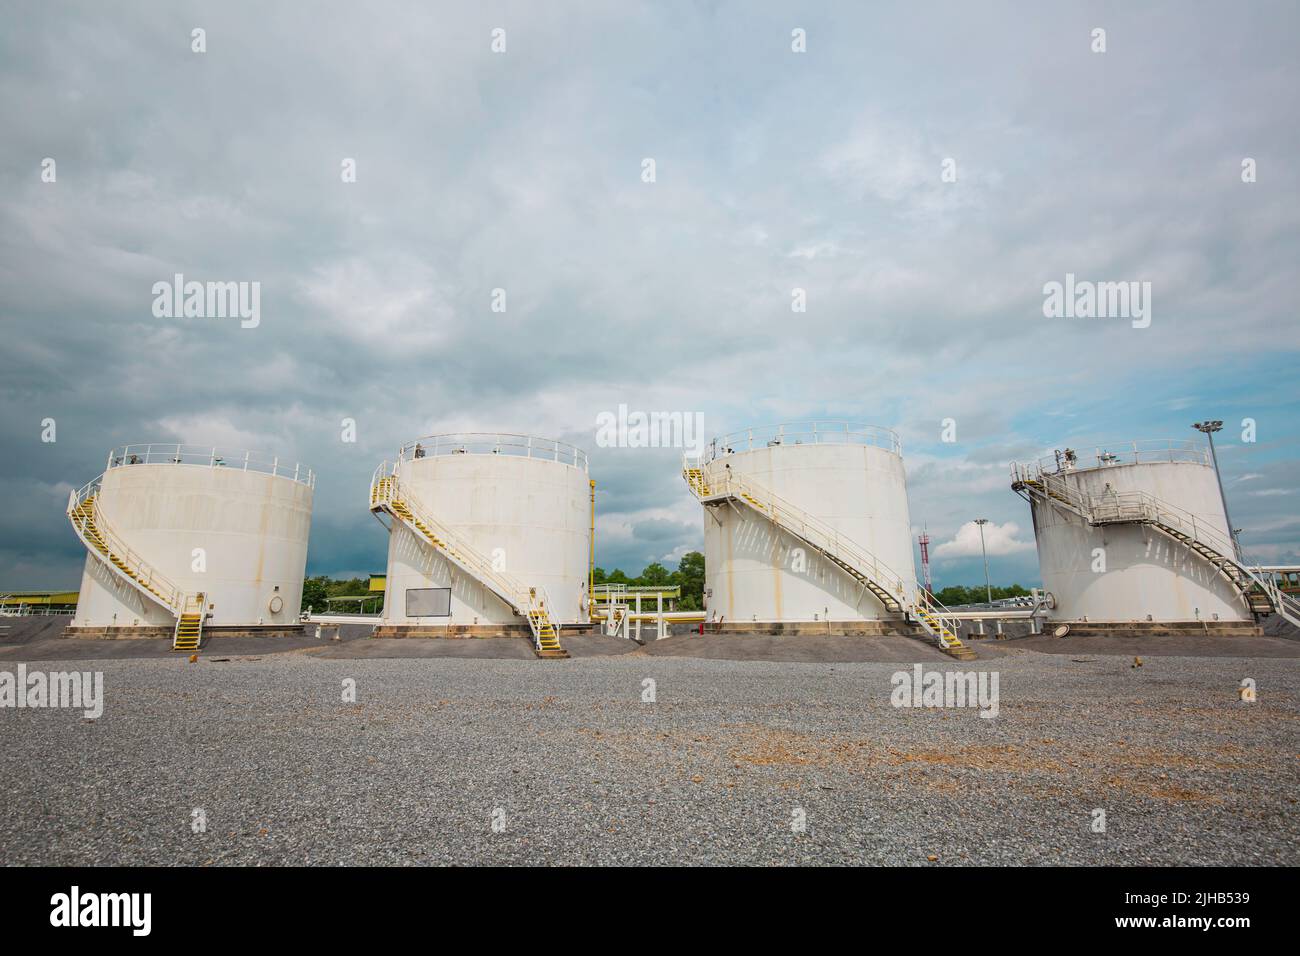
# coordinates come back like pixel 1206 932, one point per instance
pixel 574 768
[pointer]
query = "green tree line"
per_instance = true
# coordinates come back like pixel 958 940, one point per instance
pixel 315 590
pixel 689 576
pixel 956 594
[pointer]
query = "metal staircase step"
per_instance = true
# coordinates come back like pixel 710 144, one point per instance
pixel 1230 566
pixel 386 495
pixel 833 549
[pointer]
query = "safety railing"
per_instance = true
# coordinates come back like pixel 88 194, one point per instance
pixel 947 621
pixel 803 433
pixel 1286 604
pixel 386 490
pixel 1141 452
pixel 605 592
pixel 494 443
pixel 92 525
pixel 922 607
pixel 31 610
pixel 539 599
pixel 210 456
pixel 816 532
pixel 1117 507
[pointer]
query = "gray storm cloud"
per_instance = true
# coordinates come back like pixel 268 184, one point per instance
pixel 521 171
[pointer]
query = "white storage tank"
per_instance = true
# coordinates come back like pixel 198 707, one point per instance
pixel 514 508
pixel 837 482
pixel 184 520
pixel 1098 519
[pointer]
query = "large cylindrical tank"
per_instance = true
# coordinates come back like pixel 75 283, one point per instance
pixel 520 502
pixel 1131 571
pixel 847 477
pixel 231 525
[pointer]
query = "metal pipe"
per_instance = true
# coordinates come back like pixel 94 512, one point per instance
pixel 1209 428
pixel 591 559
pixel 988 591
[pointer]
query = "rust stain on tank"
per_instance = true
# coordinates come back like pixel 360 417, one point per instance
pixel 730 566
pixel 777 574
pixel 267 499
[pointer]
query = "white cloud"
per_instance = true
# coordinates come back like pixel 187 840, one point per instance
pixel 394 310
pixel 1000 539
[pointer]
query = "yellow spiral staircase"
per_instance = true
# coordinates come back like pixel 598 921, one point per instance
pixel 939 624
pixel 1258 589
pixel 99 538
pixel 388 495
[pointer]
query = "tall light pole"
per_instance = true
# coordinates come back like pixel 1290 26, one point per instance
pixel 1210 427
pixel 988 591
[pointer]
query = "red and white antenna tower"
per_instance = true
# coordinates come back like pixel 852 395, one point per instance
pixel 924 538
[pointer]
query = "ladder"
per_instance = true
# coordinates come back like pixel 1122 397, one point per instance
pixel 188 635
pixel 1258 588
pixel 546 636
pixel 938 623
pixel 104 543
pixel 388 495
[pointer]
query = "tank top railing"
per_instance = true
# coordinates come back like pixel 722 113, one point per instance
pixel 803 433
pixel 494 443
pixel 1117 507
pixel 211 456
pixel 1143 452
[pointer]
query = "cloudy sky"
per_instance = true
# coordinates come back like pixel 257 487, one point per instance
pixel 523 170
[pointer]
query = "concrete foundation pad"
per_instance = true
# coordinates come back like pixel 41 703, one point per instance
pixel 137 633
pixel 31 642
pixel 461 631
pixel 507 647
pixel 156 632
pixel 487 647
pixel 1158 628
pixel 451 631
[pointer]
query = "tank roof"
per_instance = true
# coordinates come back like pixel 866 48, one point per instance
pixel 210 456
pixel 821 432
pixel 494 443
pixel 1144 451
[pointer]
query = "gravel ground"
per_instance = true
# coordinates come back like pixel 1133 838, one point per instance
pixel 810 648
pixel 36 638
pixel 580 770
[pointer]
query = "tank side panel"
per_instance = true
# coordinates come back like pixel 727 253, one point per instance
pixel 530 517
pixel 1125 572
pixel 106 600
pixel 238 537
pixel 761 573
